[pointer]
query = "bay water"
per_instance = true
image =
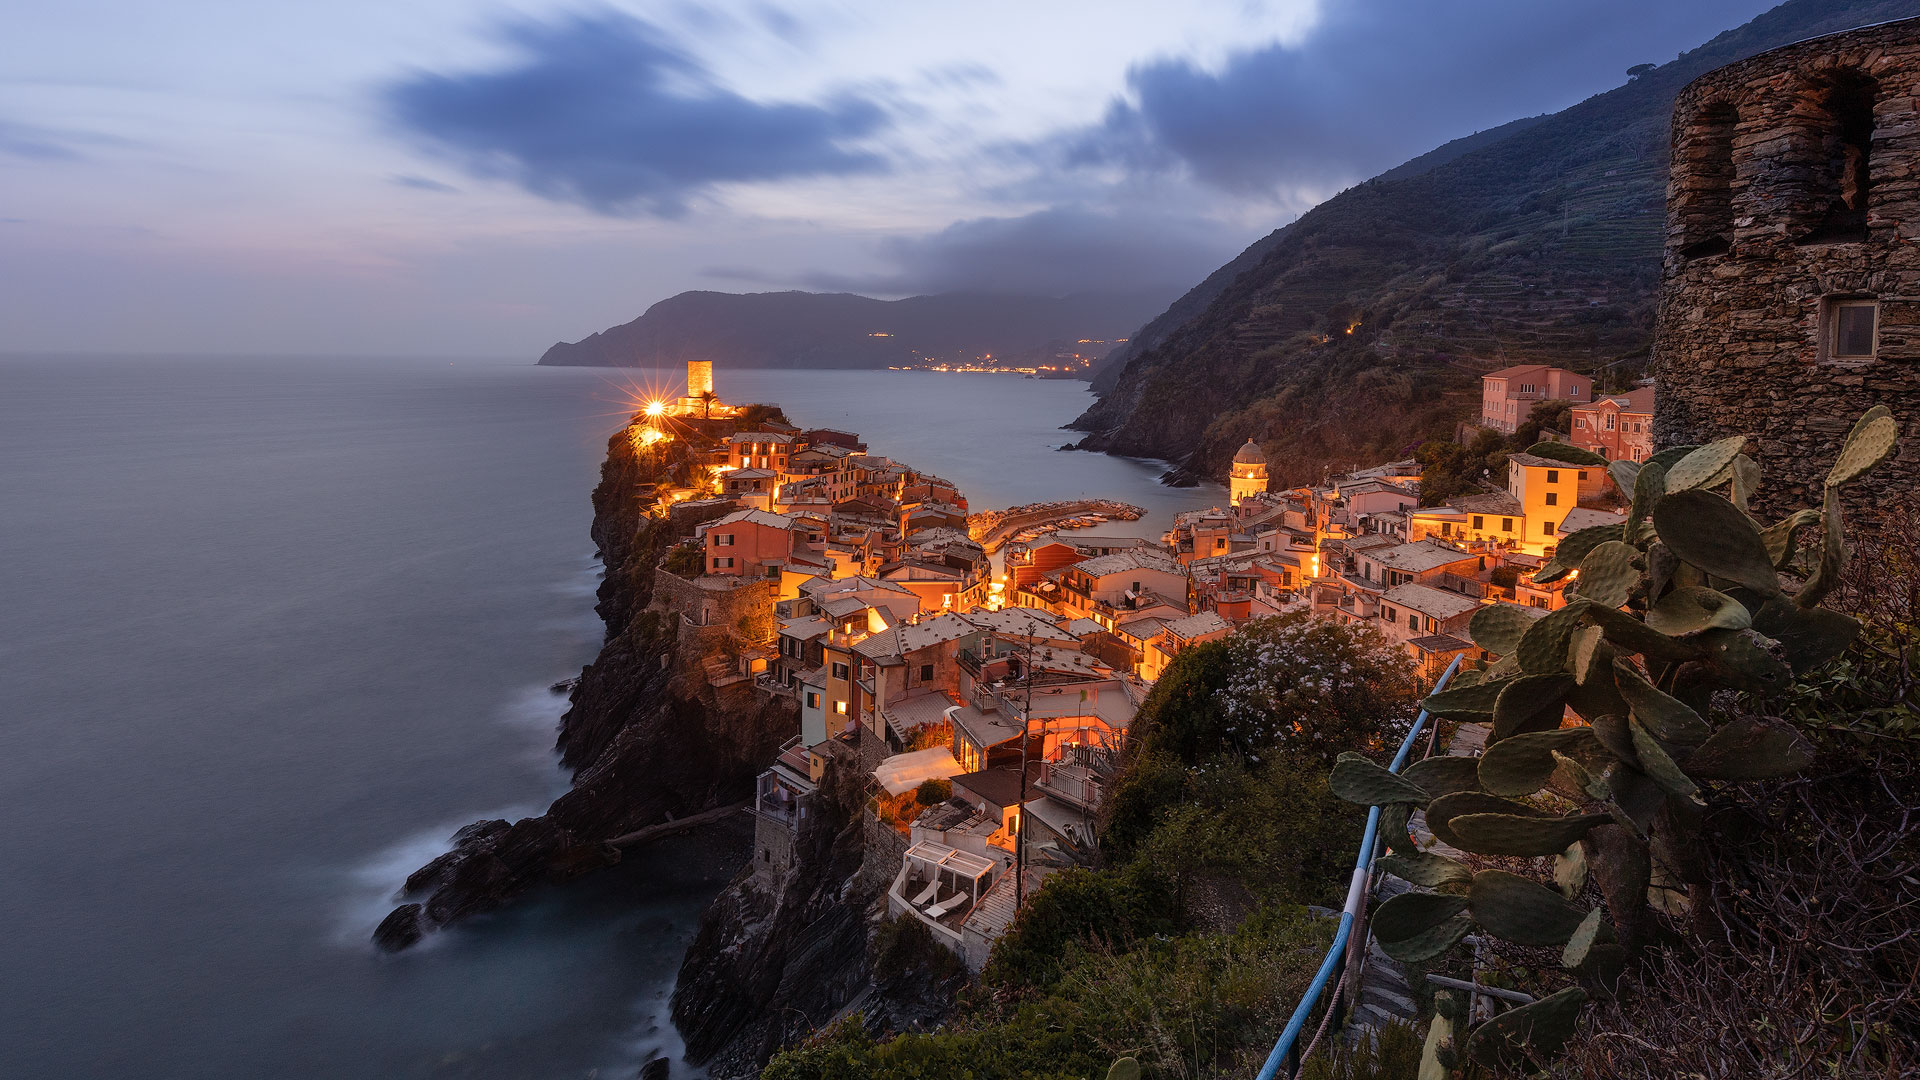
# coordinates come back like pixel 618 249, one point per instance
pixel 271 629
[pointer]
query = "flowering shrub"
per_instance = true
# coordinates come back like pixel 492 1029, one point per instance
pixel 1313 686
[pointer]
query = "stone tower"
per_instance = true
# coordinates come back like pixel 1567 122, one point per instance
pixel 1249 473
pixel 699 377
pixel 1790 298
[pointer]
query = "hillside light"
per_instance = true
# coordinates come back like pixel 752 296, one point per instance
pixel 656 408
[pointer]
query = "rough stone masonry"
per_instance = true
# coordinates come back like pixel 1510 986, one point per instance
pixel 1791 284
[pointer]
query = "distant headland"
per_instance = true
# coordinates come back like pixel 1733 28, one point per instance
pixel 1065 336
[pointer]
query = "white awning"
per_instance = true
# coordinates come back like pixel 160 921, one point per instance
pixel 902 773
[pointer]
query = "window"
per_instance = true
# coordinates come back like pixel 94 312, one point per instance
pixel 723 540
pixel 1607 422
pixel 840 708
pixel 1851 326
pixel 1553 498
pixel 1583 474
pixel 1387 613
pixel 1479 522
pixel 926 672
pixel 1413 621
pixel 1637 452
pixel 1553 476
pixel 839 671
pixel 813 700
pixel 1506 524
pixel 723 564
pixel 1218 543
pixel 1546 528
pixel 1579 421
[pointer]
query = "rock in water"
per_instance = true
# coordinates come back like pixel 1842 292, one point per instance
pixel 399 929
pixel 655 1069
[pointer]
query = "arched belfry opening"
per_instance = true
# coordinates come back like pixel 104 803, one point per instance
pixel 1841 172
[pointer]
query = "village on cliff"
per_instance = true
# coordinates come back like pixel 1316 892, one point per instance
pixel 990 704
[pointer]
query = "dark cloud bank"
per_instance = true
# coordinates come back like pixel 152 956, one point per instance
pixel 605 111
pixel 602 110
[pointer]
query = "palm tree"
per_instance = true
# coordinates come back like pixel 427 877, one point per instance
pixel 707 399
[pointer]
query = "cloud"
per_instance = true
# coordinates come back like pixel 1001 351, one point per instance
pixel 36 143
pixel 604 111
pixel 1377 82
pixel 1052 252
pixel 422 183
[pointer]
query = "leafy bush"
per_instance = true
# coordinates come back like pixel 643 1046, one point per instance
pixel 933 792
pixel 905 945
pixel 685 560
pixel 1077 906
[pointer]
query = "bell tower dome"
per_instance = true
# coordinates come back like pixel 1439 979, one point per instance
pixel 1249 473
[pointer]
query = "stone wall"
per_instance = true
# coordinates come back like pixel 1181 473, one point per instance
pixel 880 857
pixel 1795 184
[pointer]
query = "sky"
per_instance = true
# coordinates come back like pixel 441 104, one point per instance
pixel 443 178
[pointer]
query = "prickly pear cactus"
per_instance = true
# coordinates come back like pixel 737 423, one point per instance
pixel 1689 596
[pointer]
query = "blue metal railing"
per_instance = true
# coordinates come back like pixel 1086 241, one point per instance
pixel 1349 915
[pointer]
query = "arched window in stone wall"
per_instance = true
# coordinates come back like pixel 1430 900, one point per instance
pixel 1704 203
pixel 1840 149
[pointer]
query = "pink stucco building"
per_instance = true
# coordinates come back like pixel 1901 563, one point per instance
pixel 1508 395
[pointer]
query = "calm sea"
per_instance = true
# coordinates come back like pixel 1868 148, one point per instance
pixel 270 630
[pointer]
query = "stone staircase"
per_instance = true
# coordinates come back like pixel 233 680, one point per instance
pixel 1385 995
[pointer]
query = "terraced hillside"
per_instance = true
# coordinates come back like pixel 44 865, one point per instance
pixel 1360 329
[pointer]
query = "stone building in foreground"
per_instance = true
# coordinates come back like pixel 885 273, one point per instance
pixel 1791 284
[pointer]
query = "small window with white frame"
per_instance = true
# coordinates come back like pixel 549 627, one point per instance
pixel 1852 329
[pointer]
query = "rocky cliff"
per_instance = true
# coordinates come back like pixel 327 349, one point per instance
pixel 1362 327
pixel 778 957
pixel 645 735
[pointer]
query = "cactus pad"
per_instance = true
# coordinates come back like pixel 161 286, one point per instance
pixel 1498 628
pixel 1696 608
pixel 1522 911
pixel 1530 703
pixel 1658 764
pixel 1439 776
pixel 1125 1068
pixel 1401 917
pixel 1521 764
pixel 1751 748
pixel 1514 834
pixel 1475 702
pixel 1447 807
pixel 1358 780
pixel 1660 712
pixel 1607 575
pixel 1503 1043
pixel 1711 533
pixel 1705 466
pixel 1873 438
pixel 1426 868
pixel 1428 944
pixel 1809 637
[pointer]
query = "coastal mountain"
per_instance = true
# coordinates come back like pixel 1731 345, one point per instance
pixel 845 330
pixel 1361 328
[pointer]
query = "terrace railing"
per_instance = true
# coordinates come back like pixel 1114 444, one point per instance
pixel 1352 915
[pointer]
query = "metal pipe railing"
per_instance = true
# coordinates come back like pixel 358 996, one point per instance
pixel 1349 915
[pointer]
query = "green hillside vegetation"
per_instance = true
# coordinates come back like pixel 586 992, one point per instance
pixel 1360 330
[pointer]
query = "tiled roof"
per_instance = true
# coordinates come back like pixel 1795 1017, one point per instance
pixel 1416 557
pixel 1121 561
pixel 1427 600
pixel 756 517
pixel 1193 626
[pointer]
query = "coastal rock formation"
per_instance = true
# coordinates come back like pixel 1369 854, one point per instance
pixel 779 957
pixel 648 739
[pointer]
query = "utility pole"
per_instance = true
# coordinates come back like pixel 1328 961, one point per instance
pixel 1020 829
